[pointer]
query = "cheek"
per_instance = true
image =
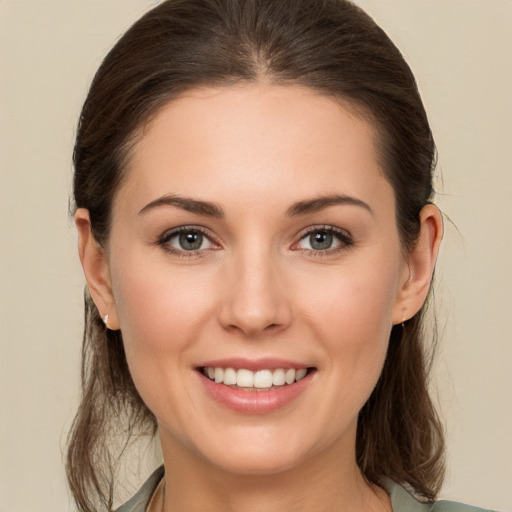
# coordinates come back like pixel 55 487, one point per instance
pixel 351 301
pixel 150 293
pixel 161 314
pixel 160 310
pixel 352 316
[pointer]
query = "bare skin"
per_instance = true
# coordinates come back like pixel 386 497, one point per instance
pixel 255 222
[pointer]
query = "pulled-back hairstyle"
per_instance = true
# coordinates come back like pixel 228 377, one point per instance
pixel 331 46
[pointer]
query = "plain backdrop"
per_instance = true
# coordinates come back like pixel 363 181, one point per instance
pixel 460 51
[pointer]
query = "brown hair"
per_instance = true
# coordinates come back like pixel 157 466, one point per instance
pixel 331 46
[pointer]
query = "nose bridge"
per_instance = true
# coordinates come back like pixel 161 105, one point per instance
pixel 256 300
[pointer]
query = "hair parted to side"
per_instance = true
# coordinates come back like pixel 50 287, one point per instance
pixel 331 46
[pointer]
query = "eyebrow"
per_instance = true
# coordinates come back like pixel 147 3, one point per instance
pixel 320 203
pixel 185 203
pixel 213 210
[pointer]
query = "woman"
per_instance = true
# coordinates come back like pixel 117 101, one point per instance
pixel 253 185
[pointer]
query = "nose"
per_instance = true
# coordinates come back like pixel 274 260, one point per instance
pixel 255 301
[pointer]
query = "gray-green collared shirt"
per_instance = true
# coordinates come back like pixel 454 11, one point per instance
pixel 401 500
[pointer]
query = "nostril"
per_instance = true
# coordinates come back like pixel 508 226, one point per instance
pixel 254 328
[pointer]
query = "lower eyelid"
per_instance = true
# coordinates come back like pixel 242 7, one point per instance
pixel 164 241
pixel 344 238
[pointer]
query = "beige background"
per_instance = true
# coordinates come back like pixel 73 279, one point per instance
pixel 49 50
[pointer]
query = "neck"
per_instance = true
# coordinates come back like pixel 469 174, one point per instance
pixel 327 482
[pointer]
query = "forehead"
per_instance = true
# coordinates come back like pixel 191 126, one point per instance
pixel 259 140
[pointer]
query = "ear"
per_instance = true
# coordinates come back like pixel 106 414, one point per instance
pixel 421 262
pixel 95 266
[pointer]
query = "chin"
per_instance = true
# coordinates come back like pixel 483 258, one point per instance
pixel 260 463
pixel 263 453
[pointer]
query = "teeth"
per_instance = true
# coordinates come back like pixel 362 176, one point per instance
pixel 290 376
pixel 300 374
pixel 244 378
pixel 278 377
pixel 219 374
pixel 230 376
pixel 262 379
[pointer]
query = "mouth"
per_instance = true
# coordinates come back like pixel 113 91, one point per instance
pixel 259 380
pixel 256 386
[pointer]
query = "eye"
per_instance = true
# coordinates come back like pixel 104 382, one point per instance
pixel 320 240
pixel 186 240
pixel 324 239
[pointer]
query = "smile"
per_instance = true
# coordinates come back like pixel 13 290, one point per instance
pixel 256 386
pixel 261 380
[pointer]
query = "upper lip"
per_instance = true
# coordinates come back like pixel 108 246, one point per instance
pixel 266 363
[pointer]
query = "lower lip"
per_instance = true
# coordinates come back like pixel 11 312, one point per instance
pixel 255 402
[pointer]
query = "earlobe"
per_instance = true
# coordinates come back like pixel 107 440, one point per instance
pixel 96 271
pixel 421 261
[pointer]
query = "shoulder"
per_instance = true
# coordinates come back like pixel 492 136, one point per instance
pixel 453 506
pixel 139 502
pixel 402 501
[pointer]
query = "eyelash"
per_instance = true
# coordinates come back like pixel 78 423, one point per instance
pixel 344 238
pixel 163 241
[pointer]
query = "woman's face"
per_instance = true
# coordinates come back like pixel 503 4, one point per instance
pixel 255 231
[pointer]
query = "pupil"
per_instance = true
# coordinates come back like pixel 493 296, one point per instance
pixel 321 240
pixel 191 241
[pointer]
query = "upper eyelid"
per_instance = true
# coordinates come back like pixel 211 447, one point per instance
pixel 164 241
pixel 323 227
pixel 182 229
pixel 345 239
pixel 169 233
